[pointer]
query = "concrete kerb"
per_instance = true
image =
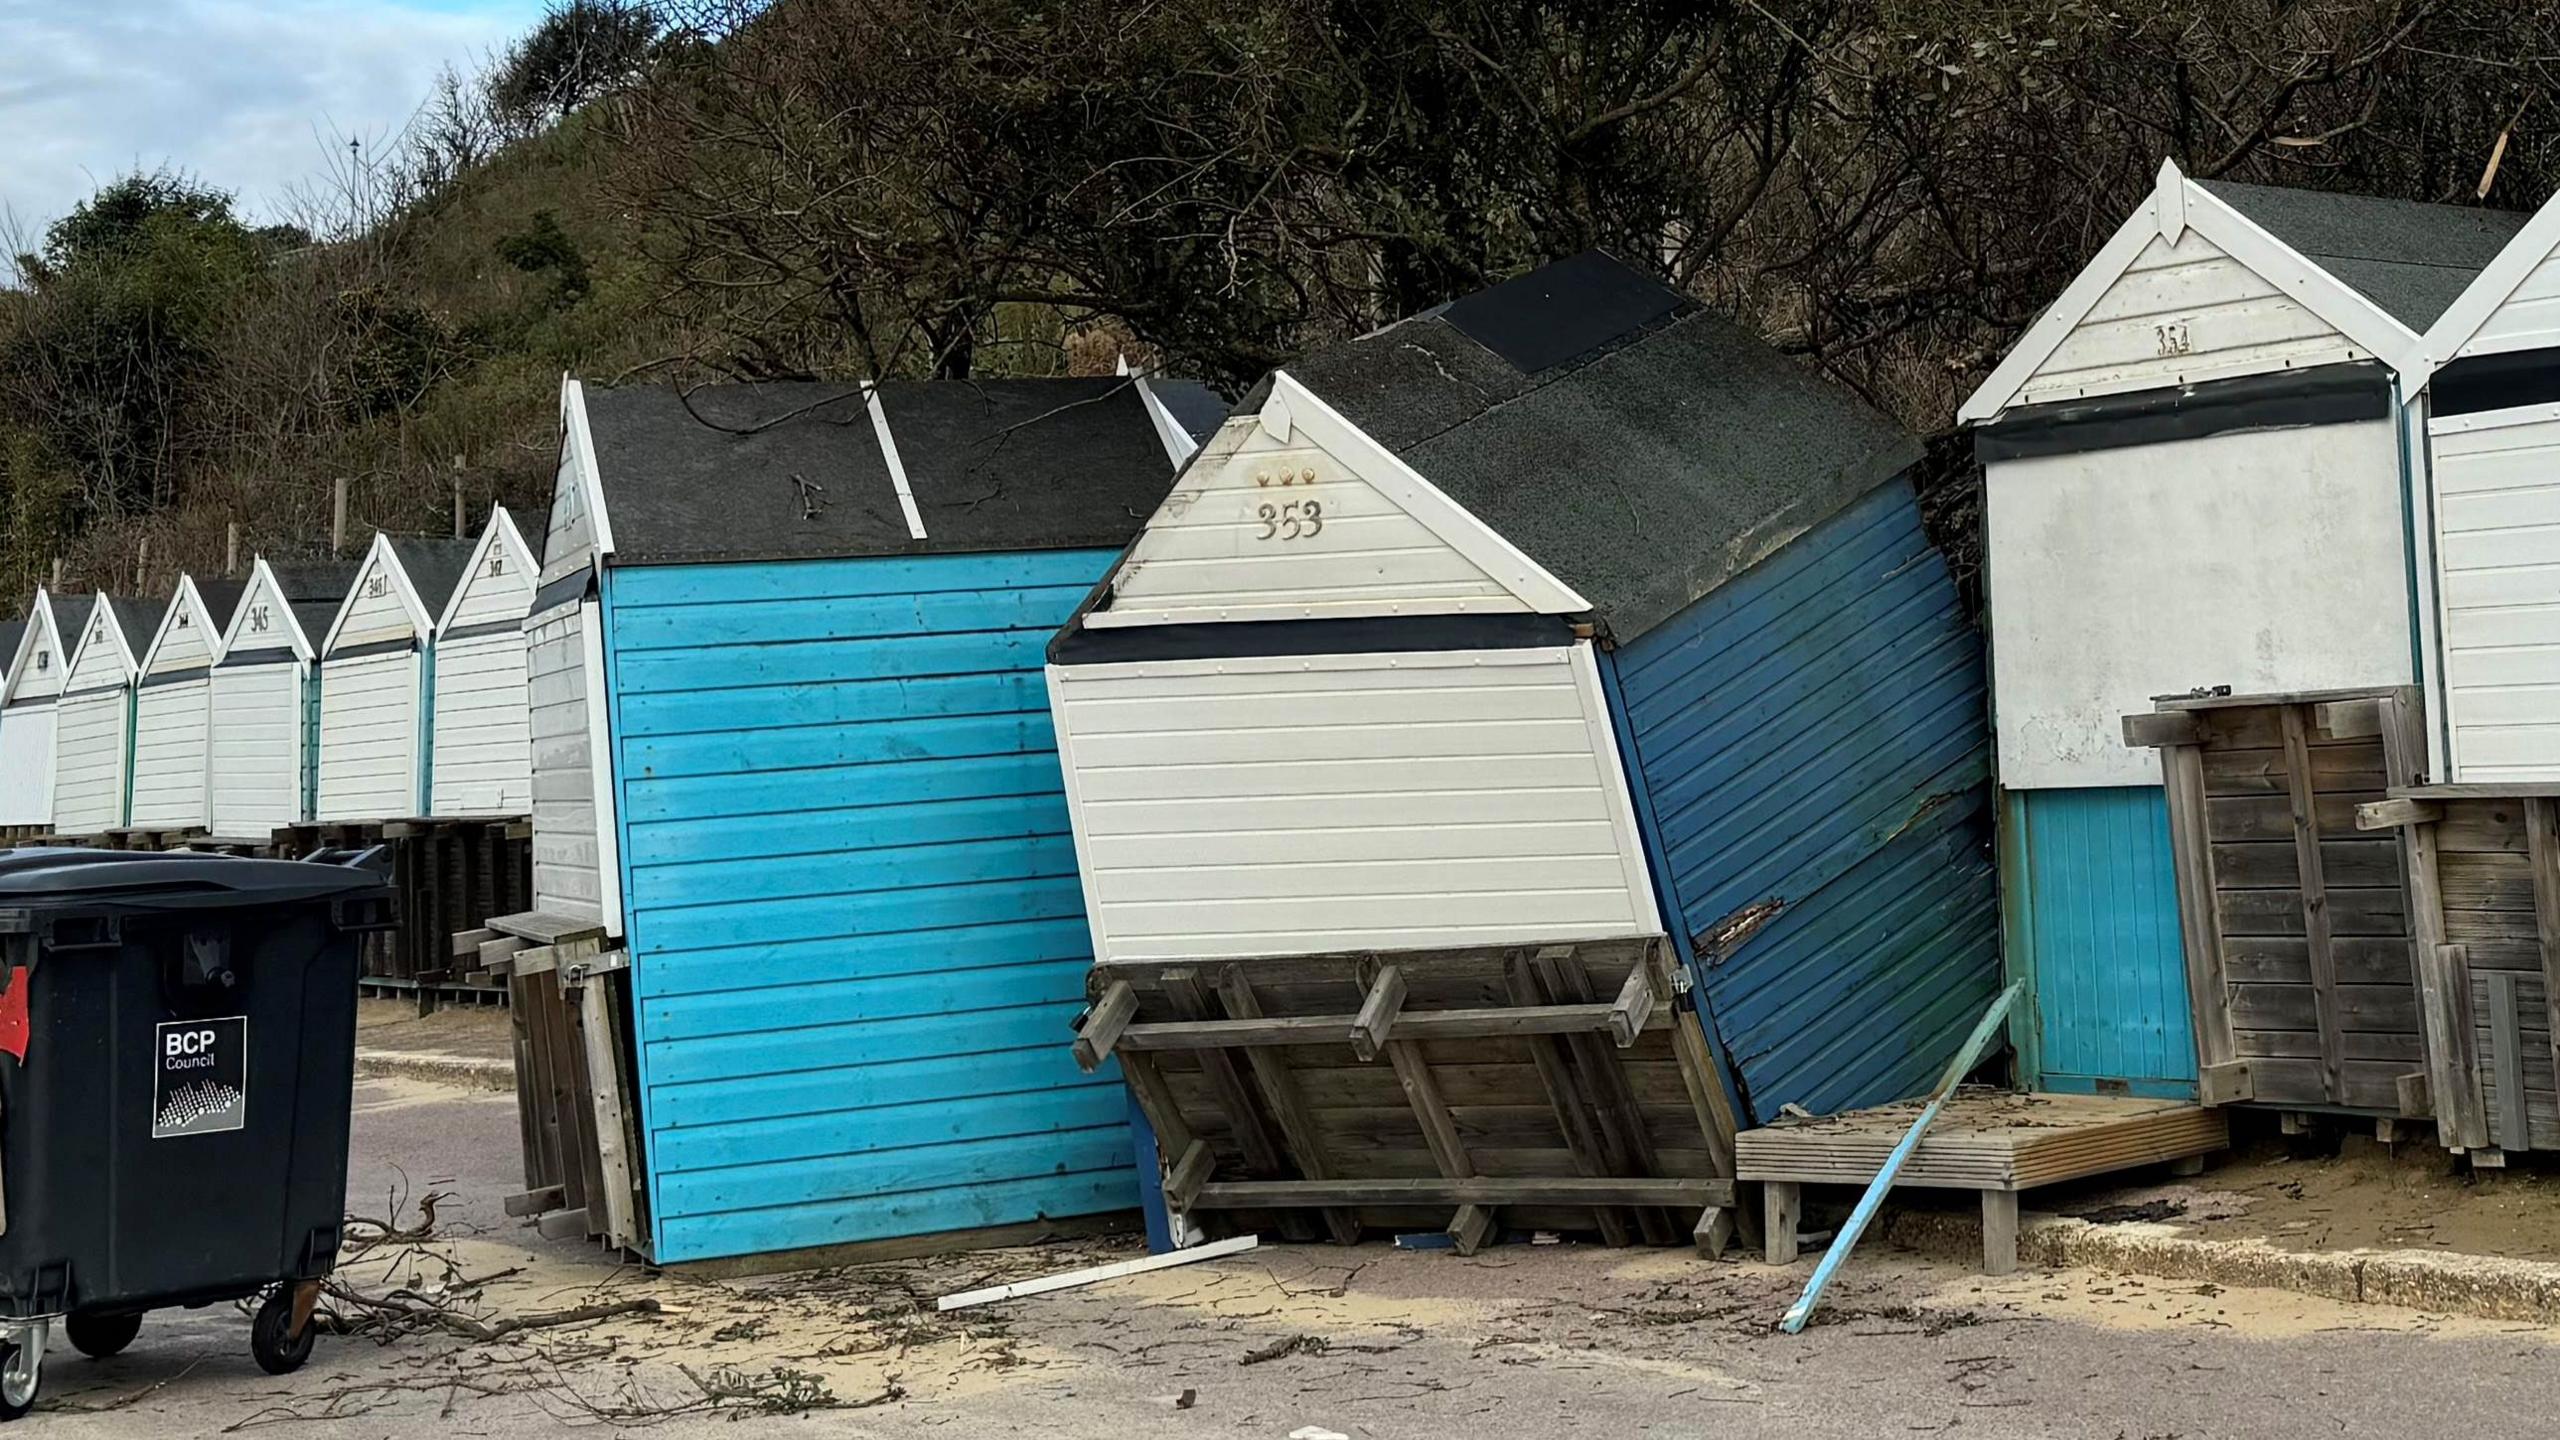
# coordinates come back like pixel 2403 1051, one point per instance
pixel 462 1071
pixel 2484 1286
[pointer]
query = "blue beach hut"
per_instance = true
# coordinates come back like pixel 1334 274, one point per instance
pixel 791 747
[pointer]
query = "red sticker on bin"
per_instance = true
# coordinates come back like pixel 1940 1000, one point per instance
pixel 13 1016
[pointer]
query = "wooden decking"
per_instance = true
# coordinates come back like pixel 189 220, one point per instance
pixel 1997 1142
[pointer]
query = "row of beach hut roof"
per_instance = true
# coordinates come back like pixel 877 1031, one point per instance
pixel 387 688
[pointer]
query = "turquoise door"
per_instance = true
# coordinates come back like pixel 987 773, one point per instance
pixel 2091 906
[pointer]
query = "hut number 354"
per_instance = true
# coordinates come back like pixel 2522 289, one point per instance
pixel 1291 520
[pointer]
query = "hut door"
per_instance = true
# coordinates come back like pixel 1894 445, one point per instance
pixel 2092 916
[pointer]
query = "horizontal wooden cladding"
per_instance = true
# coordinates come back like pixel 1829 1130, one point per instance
pixel 853 902
pixel 2382 1008
pixel 2240 818
pixel 2367 912
pixel 2338 767
pixel 2286 960
pixel 2275 865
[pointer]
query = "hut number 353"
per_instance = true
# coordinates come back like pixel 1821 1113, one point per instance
pixel 1291 520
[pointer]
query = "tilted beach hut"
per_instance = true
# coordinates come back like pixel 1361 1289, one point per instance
pixel 93 738
pixel 791 745
pixel 2195 477
pixel 28 695
pixel 173 707
pixel 377 679
pixel 1562 612
pixel 266 697
pixel 482 739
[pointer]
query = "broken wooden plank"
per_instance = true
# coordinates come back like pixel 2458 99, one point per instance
pixel 1377 1012
pixel 1104 1024
pixel 2393 813
pixel 1298 1129
pixel 1470 1228
pixel 2224 1084
pixel 2349 719
pixel 2156 728
pixel 1118 1269
pixel 1182 1183
pixel 533 1202
pixel 2315 903
pixel 2506 1058
pixel 2199 909
pixel 2415 1101
pixel 1633 1008
pixel 1496 1022
pixel 467 943
pixel 562 1225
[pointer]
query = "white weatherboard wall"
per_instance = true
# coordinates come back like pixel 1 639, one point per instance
pixel 2185 311
pixel 257 744
pixel 93 732
pixel 2497 484
pixel 28 711
pixel 569 873
pixel 1294 805
pixel 172 715
pixel 369 737
pixel 2262 560
pixel 483 746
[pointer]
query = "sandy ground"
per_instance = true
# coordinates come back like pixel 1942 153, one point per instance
pixel 472 1032
pixel 1521 1341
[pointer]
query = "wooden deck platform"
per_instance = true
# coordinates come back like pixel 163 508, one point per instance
pixel 1998 1142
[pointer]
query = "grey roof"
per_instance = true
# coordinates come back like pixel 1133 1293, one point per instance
pixel 1654 453
pixel 2409 258
pixel 11 633
pixel 792 471
pixel 314 591
pixel 435 568
pixel 138 618
pixel 221 601
pixel 1195 407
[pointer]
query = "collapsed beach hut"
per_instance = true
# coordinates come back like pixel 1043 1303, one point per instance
pixel 377 679
pixel 1463 661
pixel 2195 478
pixel 173 707
pixel 93 736
pixel 483 750
pixel 266 697
pixel 28 691
pixel 791 746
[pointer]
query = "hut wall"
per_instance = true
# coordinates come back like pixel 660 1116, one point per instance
pixel 257 750
pixel 93 741
pixel 1812 746
pixel 1295 805
pixel 172 718
pixel 2529 318
pixel 841 815
pixel 571 875
pixel 27 728
pixel 2495 512
pixel 369 735
pixel 483 742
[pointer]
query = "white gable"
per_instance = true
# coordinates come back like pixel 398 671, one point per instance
pixel 38 670
pixel 500 582
pixel 2188 290
pixel 2513 304
pixel 265 619
pixel 381 605
pixel 578 530
pixel 186 639
pixel 99 656
pixel 1295 514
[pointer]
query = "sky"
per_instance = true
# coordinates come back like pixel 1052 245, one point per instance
pixel 245 94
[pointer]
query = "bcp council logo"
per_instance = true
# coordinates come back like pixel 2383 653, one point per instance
pixel 200 1077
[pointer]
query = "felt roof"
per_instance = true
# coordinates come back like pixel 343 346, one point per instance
pixel 2409 258
pixel 1640 449
pixel 1195 407
pixel 315 590
pixel 138 618
pixel 221 601
pixel 12 633
pixel 797 470
pixel 434 566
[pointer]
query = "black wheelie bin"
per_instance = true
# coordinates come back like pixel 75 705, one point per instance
pixel 177 1051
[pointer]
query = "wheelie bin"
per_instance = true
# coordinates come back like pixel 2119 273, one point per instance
pixel 177 1052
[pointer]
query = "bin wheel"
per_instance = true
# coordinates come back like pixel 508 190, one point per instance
pixel 99 1336
pixel 20 1376
pixel 277 1350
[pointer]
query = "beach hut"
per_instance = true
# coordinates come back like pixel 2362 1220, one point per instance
pixel 377 679
pixel 29 688
pixel 2194 478
pixel 1563 612
pixel 790 742
pixel 93 736
pixel 266 697
pixel 173 707
pixel 483 750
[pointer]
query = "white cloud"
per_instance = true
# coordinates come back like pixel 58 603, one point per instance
pixel 244 94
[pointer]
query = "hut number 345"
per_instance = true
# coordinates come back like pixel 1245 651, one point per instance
pixel 1291 520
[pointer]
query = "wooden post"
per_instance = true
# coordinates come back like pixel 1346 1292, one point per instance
pixel 1999 1232
pixel 2199 923
pixel 1782 1205
pixel 461 517
pixel 338 517
pixel 2315 905
pixel 57 572
pixel 231 549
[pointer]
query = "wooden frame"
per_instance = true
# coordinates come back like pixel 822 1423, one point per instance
pixel 1567 1086
pixel 585 1172
pixel 2303 986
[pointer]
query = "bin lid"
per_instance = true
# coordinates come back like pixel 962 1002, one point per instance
pixel 170 880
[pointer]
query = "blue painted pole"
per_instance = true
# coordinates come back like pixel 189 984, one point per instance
pixel 1873 1200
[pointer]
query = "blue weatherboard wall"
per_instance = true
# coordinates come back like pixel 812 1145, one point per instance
pixel 2093 927
pixel 857 933
pixel 1815 761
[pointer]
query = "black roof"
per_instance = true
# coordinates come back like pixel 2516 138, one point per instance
pixel 221 601
pixel 434 566
pixel 138 618
pixel 11 633
pixel 2411 259
pixel 1642 450
pixel 796 470
pixel 1195 407
pixel 314 590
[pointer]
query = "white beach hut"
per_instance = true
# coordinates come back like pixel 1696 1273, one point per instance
pixel 377 679
pixel 93 738
pixel 266 697
pixel 173 707
pixel 482 762
pixel 31 673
